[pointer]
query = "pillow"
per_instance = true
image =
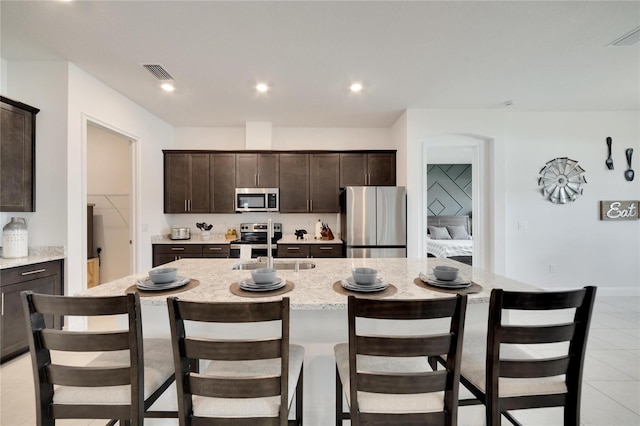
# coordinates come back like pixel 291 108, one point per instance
pixel 458 232
pixel 439 233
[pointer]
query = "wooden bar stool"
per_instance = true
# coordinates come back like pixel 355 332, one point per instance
pixel 249 381
pixel 121 383
pixel 386 378
pixel 505 377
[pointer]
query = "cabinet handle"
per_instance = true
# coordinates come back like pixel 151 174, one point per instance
pixel 185 205
pixel 311 202
pixel 2 304
pixel 308 208
pixel 293 248
pixel 255 179
pixel 326 248
pixel 177 248
pixel 215 248
pixel 37 271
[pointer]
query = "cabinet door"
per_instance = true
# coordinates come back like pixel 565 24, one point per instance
pixel 268 170
pixel 186 183
pixel 257 170
pixel 176 182
pixel 353 169
pixel 199 183
pixel 294 183
pixel 222 171
pixel 14 327
pixel 246 170
pixel 17 150
pixel 324 183
pixel 381 169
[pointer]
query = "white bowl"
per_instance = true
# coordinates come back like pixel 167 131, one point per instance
pixel 264 275
pixel 364 275
pixel 445 273
pixel 163 275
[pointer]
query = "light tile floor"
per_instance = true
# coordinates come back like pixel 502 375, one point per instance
pixel 610 392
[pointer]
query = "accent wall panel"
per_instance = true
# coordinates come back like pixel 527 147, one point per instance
pixel 449 189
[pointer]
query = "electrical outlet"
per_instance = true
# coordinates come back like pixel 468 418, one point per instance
pixel 522 225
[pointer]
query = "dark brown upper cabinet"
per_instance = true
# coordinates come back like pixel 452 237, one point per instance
pixel 186 183
pixel 309 183
pixel 222 173
pixel 368 169
pixel 294 183
pixel 257 170
pixel 324 183
pixel 17 156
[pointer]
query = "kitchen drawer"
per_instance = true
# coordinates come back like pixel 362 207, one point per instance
pixel 165 253
pixel 215 250
pixel 29 272
pixel 325 250
pixel 293 250
pixel 178 248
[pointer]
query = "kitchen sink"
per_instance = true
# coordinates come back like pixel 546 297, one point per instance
pixel 289 265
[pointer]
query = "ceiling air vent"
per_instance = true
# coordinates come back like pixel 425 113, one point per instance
pixel 628 39
pixel 158 71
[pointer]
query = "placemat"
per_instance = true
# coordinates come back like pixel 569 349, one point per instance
pixel 235 289
pixel 150 293
pixel 474 288
pixel 389 291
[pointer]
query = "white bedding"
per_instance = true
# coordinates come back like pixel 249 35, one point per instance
pixel 448 248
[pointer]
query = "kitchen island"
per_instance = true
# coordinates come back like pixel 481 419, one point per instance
pixel 318 312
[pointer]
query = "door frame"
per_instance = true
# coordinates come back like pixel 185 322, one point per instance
pixel 479 147
pixel 134 186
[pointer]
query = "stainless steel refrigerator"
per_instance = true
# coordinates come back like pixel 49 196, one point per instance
pixel 373 221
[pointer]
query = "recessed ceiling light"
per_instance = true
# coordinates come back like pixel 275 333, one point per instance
pixel 356 87
pixel 167 87
pixel 262 87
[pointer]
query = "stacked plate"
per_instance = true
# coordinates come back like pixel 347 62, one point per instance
pixel 350 284
pixel 250 285
pixel 148 285
pixel 458 283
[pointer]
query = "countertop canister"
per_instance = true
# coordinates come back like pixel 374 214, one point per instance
pixel 15 238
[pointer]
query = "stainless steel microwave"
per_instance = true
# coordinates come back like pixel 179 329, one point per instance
pixel 257 199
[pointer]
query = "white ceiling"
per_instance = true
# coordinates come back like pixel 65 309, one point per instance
pixel 546 56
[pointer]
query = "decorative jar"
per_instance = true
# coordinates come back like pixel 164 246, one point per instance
pixel 15 238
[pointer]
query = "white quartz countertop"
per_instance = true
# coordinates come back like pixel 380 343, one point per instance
pixel 36 255
pixel 292 239
pixel 313 287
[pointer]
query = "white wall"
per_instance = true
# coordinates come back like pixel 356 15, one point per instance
pixel 583 249
pixel 43 85
pixel 89 99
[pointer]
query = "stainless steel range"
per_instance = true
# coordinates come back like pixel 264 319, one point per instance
pixel 255 235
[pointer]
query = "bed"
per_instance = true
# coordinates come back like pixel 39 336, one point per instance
pixel 458 245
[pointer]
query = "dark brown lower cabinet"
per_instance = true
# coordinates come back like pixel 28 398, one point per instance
pixel 310 250
pixel 45 278
pixel 165 253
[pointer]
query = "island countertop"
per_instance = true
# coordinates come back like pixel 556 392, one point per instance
pixel 312 287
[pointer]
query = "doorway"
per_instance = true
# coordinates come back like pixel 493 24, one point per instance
pixel 473 150
pixel 109 190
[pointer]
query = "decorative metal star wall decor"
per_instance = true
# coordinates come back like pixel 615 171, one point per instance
pixel 561 180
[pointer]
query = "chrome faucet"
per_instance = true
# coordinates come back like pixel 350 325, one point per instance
pixel 269 239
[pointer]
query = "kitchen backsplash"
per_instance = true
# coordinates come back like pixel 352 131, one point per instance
pixel 222 222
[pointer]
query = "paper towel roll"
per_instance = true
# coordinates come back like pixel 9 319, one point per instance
pixel 245 251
